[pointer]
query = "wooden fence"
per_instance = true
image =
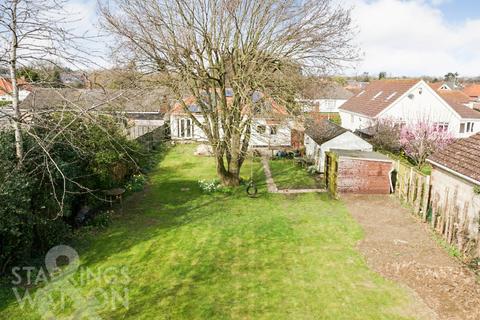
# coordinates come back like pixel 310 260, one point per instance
pixel 439 204
pixel 413 188
pixel 154 138
pixel 331 171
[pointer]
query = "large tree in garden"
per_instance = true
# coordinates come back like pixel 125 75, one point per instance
pixel 205 47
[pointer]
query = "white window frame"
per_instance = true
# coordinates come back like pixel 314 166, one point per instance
pixel 185 128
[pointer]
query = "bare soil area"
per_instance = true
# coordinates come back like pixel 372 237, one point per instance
pixel 403 249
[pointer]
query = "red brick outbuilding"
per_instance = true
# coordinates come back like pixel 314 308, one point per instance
pixel 363 172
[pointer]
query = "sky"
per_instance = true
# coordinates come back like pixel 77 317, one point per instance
pixel 417 37
pixel 400 37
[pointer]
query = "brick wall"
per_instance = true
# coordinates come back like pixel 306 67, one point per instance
pixel 363 176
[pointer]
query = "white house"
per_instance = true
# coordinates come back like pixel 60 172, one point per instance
pixel 327 99
pixel 6 90
pixel 270 129
pixel 323 136
pixel 411 101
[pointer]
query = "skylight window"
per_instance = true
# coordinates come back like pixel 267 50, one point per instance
pixel 391 96
pixel 377 95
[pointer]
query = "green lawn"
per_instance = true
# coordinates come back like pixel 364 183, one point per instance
pixel 288 175
pixel 197 256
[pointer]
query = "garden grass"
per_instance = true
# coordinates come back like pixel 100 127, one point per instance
pixel 191 255
pixel 288 175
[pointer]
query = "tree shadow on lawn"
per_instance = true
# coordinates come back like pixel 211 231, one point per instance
pixel 164 207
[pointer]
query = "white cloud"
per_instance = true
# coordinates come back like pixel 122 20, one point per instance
pixel 413 38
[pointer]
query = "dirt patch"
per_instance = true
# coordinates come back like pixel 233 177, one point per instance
pixel 403 249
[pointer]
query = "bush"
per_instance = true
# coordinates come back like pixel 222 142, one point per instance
pixel 49 233
pixel 16 219
pixel 101 220
pixel 136 183
pixel 93 153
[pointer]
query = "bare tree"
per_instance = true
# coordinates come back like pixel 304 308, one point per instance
pixel 34 31
pixel 208 46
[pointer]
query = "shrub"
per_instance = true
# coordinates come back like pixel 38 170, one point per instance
pixel 386 135
pixel 312 170
pixel 136 183
pixel 101 220
pixel 37 205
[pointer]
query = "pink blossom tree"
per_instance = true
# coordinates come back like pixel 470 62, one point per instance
pixel 420 140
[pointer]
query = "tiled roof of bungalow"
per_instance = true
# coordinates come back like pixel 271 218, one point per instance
pixel 381 94
pixel 269 107
pixel 462 157
pixel 472 90
pixel 377 96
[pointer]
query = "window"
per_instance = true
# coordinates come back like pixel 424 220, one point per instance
pixel 467 127
pixel 273 130
pixel 184 128
pixel 331 105
pixel 261 129
pixel 441 126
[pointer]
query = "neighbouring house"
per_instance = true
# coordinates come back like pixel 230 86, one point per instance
pixel 455 190
pixel 445 85
pixel 473 92
pixel 410 101
pixel 326 98
pixel 362 172
pixel 271 126
pixel 6 89
pixel 142 110
pixel 322 136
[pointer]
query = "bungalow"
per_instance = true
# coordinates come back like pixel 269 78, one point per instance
pixel 142 110
pixel 473 91
pixel 409 101
pixel 271 126
pixel 326 99
pixel 455 187
pixel 321 137
pixel 6 89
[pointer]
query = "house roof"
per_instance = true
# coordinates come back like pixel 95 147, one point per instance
pixel 328 90
pixel 97 99
pixel 323 130
pixel 458 100
pixel 377 96
pixel 462 156
pixel 472 90
pixel 380 94
pixel 269 107
pixel 6 85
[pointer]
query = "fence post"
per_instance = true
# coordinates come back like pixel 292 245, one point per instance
pixel 426 198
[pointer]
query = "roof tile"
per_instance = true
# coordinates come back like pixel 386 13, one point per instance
pixel 462 156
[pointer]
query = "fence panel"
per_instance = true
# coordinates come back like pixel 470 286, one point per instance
pixel 413 187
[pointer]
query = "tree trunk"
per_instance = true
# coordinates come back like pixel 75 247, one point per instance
pixel 14 93
pixel 229 176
